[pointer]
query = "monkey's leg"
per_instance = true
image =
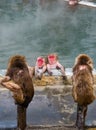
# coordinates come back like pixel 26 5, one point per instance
pixel 84 114
pixel 78 113
pixel 80 117
pixel 21 117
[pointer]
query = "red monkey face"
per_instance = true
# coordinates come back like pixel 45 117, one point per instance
pixel 52 59
pixel 40 62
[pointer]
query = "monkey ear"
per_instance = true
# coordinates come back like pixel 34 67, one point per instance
pixel 90 63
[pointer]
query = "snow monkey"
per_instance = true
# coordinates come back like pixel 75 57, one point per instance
pixel 82 90
pixel 18 73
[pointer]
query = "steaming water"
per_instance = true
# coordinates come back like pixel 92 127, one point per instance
pixel 39 27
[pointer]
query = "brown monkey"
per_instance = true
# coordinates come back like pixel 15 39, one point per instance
pixel 18 72
pixel 82 91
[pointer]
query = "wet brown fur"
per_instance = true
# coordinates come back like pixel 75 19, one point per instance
pixel 18 72
pixel 83 80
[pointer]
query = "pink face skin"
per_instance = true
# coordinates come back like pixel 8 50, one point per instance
pixel 40 62
pixel 82 67
pixel 52 59
pixel 73 2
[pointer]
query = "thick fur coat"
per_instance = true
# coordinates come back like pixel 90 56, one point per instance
pixel 82 80
pixel 18 72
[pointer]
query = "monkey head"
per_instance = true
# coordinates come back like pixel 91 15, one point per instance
pixel 17 61
pixel 16 65
pixel 84 59
pixel 52 58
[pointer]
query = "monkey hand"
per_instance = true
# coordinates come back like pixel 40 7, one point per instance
pixel 57 67
pixel 64 77
pixel 40 76
pixel 50 73
pixel 4 79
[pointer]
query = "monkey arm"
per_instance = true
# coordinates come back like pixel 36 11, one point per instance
pixel 9 84
pixel 14 88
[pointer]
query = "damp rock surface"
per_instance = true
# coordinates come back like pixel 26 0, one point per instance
pixel 51 108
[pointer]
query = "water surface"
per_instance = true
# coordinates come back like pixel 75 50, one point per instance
pixel 39 27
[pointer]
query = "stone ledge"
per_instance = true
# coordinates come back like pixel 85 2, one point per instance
pixel 55 80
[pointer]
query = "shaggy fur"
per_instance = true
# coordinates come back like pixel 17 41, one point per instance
pixel 18 72
pixel 83 80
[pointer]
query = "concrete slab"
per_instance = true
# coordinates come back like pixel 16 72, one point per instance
pixel 51 106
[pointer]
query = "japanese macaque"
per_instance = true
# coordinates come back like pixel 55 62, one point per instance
pixel 18 72
pixel 82 91
pixel 40 67
pixel 19 81
pixel 53 64
pixel 73 2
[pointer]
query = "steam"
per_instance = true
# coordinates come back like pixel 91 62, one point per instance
pixel 37 27
pixel 22 32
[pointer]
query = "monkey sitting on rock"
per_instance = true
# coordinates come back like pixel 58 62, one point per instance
pixel 18 73
pixel 19 81
pixel 82 90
